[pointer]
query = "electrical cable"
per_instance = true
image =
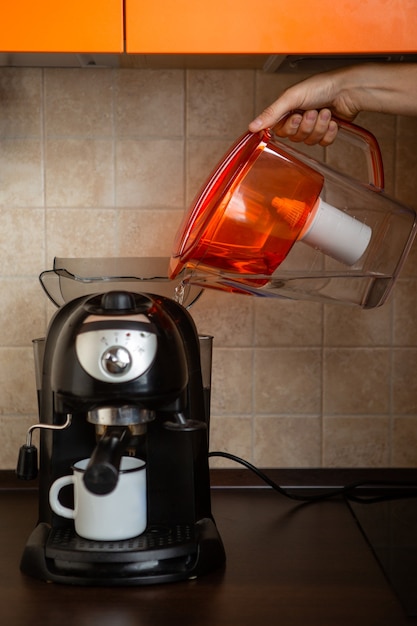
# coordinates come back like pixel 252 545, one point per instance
pixel 349 492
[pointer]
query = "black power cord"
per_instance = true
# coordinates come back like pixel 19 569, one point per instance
pixel 399 491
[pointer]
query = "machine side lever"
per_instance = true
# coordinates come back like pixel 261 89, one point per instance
pixel 102 472
pixel 27 463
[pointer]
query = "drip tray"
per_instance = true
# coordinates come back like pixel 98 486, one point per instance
pixel 157 542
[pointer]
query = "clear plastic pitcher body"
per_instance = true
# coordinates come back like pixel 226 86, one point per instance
pixel 273 222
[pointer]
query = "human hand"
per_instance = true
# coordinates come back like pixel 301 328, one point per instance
pixel 311 127
pixel 303 112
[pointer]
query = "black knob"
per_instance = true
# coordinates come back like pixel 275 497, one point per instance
pixel 118 301
pixel 27 464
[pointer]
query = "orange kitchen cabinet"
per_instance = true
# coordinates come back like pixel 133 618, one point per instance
pixel 271 26
pixel 61 26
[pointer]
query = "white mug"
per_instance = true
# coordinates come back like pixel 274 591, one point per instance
pixel 120 514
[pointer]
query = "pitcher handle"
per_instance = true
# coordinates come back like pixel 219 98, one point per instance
pixel 363 139
pixel 358 136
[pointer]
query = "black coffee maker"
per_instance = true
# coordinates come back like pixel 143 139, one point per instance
pixel 121 375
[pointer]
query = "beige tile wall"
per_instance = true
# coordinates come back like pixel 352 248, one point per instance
pixel 98 162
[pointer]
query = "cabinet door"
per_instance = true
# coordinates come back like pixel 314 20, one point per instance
pixel 271 26
pixel 61 26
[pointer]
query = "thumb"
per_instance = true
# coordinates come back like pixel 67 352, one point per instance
pixel 269 117
pixel 290 101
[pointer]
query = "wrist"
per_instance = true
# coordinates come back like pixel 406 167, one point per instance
pixel 357 88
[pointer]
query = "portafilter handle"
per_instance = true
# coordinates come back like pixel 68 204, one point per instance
pixel 102 472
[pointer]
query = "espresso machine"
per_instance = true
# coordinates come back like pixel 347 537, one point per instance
pixel 121 376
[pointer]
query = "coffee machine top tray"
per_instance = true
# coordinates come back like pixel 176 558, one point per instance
pixel 71 278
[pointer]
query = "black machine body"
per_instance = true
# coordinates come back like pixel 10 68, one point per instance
pixel 121 375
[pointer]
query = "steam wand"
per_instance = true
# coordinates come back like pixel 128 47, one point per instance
pixel 27 463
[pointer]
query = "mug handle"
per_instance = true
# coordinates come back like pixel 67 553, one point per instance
pixel 54 502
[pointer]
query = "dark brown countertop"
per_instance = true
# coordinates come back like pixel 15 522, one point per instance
pixel 286 564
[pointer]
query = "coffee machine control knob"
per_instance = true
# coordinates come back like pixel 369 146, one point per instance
pixel 116 349
pixel 116 360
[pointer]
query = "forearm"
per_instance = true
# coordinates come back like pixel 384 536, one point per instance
pixel 390 88
pixel 386 88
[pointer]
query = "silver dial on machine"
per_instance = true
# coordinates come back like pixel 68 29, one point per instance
pixel 113 354
pixel 116 360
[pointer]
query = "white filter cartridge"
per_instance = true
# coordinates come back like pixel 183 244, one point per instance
pixel 336 233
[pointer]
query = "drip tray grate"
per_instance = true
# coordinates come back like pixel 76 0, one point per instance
pixel 156 541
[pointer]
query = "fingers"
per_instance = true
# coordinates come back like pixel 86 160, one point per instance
pixel 330 135
pixel 309 96
pixel 311 127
